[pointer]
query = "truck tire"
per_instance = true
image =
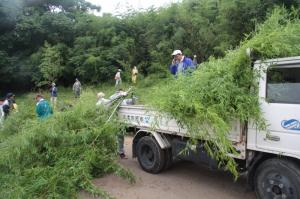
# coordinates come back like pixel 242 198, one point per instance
pixel 277 178
pixel 150 156
pixel 168 158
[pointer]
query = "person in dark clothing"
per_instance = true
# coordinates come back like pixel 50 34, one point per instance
pixel 8 104
pixel 1 112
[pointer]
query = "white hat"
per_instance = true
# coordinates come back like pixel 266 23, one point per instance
pixel 119 70
pixel 177 52
pixel 100 95
pixel 53 84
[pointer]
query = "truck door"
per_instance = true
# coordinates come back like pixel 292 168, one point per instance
pixel 279 92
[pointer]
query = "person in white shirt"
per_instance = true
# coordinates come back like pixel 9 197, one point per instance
pixel 107 103
pixel 102 101
pixel 118 78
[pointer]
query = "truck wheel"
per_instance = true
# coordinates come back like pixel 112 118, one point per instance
pixel 150 156
pixel 277 178
pixel 168 158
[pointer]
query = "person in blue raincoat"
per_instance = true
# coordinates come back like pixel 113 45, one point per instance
pixel 43 108
pixel 180 63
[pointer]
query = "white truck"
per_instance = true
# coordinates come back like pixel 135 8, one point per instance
pixel 270 159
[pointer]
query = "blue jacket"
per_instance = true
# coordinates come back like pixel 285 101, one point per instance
pixel 43 109
pixel 187 64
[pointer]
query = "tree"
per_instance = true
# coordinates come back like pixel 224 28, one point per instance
pixel 51 67
pixel 94 47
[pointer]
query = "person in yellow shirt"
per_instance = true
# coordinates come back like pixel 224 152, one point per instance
pixel 134 74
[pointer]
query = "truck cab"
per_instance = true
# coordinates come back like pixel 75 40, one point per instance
pixel 274 168
pixel 279 95
pixel 269 158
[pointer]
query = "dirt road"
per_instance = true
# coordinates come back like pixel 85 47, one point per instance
pixel 182 181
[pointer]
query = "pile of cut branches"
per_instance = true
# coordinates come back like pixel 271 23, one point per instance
pixel 58 156
pixel 224 90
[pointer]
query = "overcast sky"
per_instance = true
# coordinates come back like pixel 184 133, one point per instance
pixel 121 6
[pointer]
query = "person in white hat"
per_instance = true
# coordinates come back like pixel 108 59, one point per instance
pixel 106 103
pixel 102 101
pixel 195 62
pixel 180 63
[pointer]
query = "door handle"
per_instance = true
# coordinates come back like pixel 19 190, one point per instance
pixel 270 137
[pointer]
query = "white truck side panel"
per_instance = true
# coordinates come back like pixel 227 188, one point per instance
pixel 143 117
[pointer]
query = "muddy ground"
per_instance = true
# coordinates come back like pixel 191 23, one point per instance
pixel 183 181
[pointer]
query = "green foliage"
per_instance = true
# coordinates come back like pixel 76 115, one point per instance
pixel 51 65
pixel 224 90
pixel 96 46
pixel 4 70
pixel 57 157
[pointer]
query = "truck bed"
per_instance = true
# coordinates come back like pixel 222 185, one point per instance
pixel 142 117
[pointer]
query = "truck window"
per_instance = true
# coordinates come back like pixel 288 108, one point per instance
pixel 283 85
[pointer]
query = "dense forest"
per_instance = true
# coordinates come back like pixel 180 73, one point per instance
pixel 49 40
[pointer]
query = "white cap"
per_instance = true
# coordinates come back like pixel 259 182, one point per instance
pixel 100 95
pixel 177 52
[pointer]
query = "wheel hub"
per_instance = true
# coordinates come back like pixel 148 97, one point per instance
pixel 147 155
pixel 277 190
pixel 278 186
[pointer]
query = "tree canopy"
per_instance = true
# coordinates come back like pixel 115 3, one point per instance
pixel 62 36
